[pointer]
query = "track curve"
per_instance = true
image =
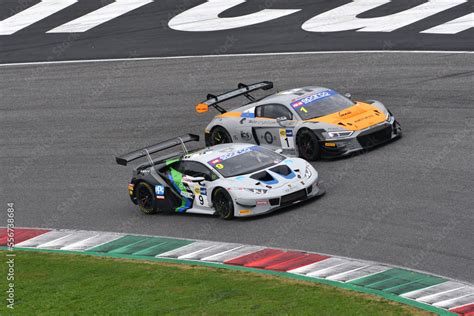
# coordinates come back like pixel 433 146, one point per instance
pixel 408 203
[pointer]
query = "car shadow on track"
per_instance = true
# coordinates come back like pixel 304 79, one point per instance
pixel 362 151
pixel 291 208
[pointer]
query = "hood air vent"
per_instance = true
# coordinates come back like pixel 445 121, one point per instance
pixel 263 176
pixel 284 170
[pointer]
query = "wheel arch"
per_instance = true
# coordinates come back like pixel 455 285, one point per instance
pixel 317 132
pixel 219 126
pixel 135 183
pixel 231 197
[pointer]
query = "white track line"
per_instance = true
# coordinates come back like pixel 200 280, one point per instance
pixel 36 63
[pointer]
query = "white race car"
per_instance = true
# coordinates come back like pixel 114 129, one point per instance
pixel 310 122
pixel 229 179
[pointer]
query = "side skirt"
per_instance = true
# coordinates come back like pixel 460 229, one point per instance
pixel 196 210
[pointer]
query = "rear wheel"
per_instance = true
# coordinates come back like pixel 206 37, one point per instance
pixel 308 145
pixel 220 135
pixel 146 198
pixel 223 203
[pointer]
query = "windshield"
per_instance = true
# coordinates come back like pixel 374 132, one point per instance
pixel 245 161
pixel 321 104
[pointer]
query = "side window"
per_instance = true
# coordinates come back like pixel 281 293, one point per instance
pixel 273 111
pixel 196 169
pixel 175 165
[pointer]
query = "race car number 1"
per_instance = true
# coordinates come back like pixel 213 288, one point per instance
pixel 286 138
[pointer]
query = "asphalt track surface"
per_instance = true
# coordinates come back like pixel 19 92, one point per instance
pixel 408 203
pixel 144 32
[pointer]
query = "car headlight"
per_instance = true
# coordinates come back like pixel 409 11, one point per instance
pixel 256 191
pixel 308 173
pixel 340 134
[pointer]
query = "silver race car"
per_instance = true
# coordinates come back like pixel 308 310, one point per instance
pixel 229 179
pixel 310 122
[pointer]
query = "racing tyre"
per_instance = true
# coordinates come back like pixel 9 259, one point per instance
pixel 146 198
pixel 219 135
pixel 223 203
pixel 308 145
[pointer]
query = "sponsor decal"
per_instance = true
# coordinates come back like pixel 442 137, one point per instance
pixel 219 162
pixel 364 118
pixel 268 138
pixel 160 191
pixel 215 162
pixel 312 98
pixel 261 122
pixel 297 104
pixel 262 202
pixel 245 135
pixel 247 114
pixel 197 190
pixel 203 191
pixel 286 138
pixel 186 194
pixel 145 172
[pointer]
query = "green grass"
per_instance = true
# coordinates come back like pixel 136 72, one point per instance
pixel 48 283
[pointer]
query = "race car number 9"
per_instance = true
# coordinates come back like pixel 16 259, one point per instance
pixel 201 200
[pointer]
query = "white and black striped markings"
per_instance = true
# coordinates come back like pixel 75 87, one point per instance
pixel 32 15
pixel 100 16
pixel 345 18
pixel 206 17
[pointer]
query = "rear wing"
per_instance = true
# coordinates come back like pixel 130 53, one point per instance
pixel 147 151
pixel 242 89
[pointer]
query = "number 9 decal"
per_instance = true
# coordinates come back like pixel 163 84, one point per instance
pixel 201 200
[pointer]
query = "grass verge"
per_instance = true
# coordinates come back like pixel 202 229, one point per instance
pixel 48 283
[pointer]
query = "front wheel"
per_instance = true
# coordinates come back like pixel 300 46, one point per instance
pixel 219 135
pixel 308 145
pixel 146 198
pixel 223 203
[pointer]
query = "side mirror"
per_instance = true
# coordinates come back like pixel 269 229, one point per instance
pixel 281 119
pixel 348 95
pixel 196 179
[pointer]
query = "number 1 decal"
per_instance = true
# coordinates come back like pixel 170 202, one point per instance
pixel 287 139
